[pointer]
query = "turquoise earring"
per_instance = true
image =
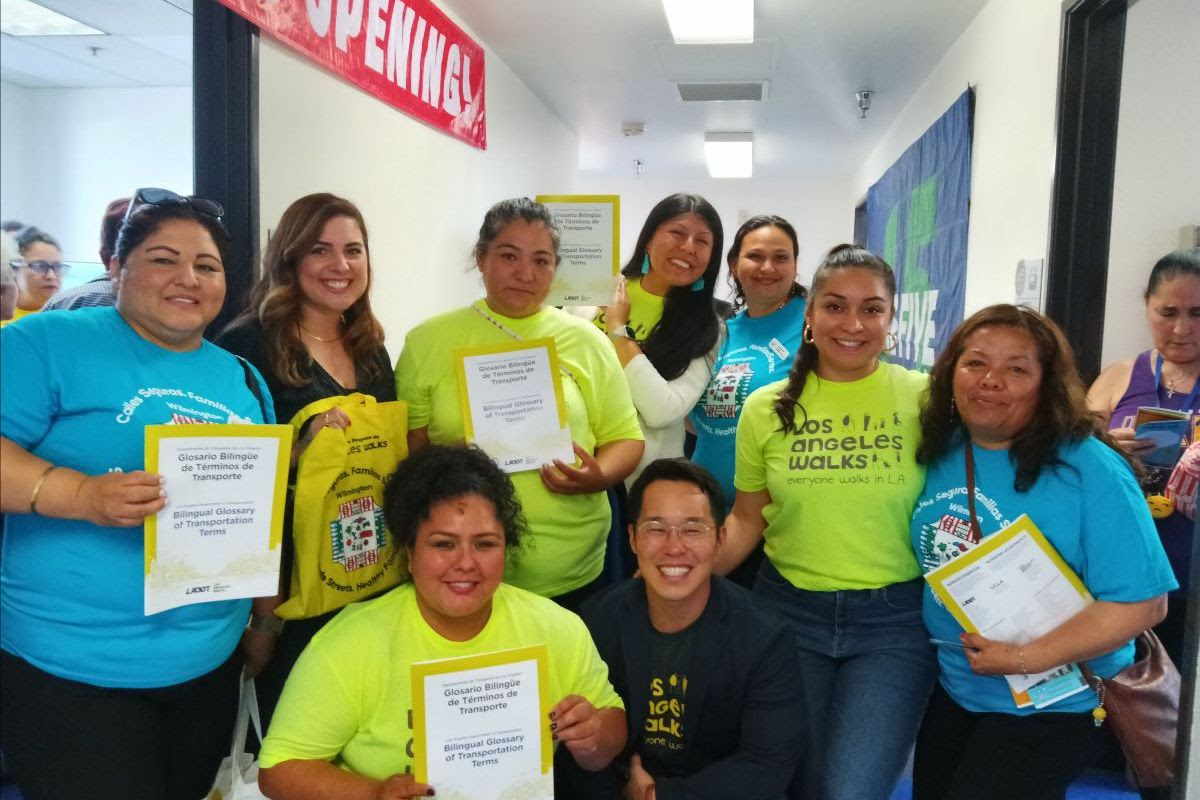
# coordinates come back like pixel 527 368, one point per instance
pixel 698 286
pixel 646 264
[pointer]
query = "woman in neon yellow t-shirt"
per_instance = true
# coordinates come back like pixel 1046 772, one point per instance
pixel 343 725
pixel 566 505
pixel 826 473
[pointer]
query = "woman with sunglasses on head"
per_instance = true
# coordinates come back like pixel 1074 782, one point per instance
pixel 827 474
pixel 39 271
pixel 661 319
pixel 101 700
pixel 308 327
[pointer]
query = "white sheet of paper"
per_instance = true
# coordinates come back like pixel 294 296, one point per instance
pixel 213 539
pixel 1016 594
pixel 514 409
pixel 483 733
pixel 585 270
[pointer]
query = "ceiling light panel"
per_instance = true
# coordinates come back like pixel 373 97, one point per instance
pixel 729 155
pixel 25 18
pixel 710 21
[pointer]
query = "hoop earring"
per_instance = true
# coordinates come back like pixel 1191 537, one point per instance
pixel 807 335
pixel 893 342
pixel 646 264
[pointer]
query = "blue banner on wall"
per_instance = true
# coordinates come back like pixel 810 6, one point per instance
pixel 917 220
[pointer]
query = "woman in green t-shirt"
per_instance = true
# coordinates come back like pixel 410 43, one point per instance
pixel 344 726
pixel 826 473
pixel 566 504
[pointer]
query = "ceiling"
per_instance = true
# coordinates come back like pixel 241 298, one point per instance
pixel 597 65
pixel 149 43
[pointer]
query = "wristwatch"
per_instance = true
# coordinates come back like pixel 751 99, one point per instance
pixel 623 332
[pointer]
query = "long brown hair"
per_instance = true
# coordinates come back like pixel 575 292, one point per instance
pixel 842 256
pixel 275 300
pixel 1060 416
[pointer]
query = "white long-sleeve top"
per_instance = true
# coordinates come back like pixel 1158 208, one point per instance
pixel 663 405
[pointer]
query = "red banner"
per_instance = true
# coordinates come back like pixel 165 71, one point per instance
pixel 405 52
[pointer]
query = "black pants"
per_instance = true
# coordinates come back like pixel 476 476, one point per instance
pixel 66 740
pixel 964 755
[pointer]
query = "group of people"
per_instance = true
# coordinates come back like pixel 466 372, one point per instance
pixel 825 478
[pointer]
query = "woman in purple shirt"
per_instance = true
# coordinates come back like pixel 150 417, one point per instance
pixel 1164 377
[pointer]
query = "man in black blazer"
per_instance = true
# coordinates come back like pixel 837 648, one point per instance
pixel 709 680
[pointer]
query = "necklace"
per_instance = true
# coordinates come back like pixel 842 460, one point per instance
pixel 783 303
pixel 312 335
pixel 1190 403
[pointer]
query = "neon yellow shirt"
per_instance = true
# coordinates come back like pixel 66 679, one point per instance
pixel 843 489
pixel 645 310
pixel 349 698
pixel 19 312
pixel 567 532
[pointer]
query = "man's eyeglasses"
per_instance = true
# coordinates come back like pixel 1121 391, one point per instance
pixel 688 531
pixel 165 197
pixel 40 267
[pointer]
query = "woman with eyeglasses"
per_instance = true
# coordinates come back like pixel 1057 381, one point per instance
pixel 39 271
pixel 99 699
pixel 308 327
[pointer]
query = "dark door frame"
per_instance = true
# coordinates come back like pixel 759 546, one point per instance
pixel 1089 94
pixel 1089 97
pixel 225 129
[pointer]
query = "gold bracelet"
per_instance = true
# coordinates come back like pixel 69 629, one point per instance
pixel 1021 659
pixel 37 488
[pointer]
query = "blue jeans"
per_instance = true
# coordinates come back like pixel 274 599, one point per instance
pixel 867 670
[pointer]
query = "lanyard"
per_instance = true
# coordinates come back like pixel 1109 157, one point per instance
pixel 971 490
pixel 1190 403
pixel 521 338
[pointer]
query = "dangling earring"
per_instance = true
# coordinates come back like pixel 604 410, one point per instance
pixel 953 409
pixel 807 335
pixel 892 342
pixel 646 264
pixel 698 286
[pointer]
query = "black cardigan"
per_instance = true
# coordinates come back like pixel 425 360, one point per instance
pixel 245 337
pixel 744 712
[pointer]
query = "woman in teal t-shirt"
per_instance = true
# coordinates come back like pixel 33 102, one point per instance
pixel 826 473
pixel 759 342
pixel 1006 417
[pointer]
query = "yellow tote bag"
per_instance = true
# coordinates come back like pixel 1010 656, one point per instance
pixel 343 550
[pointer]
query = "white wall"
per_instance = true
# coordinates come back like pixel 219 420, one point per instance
pixel 67 153
pixel 422 193
pixel 1009 53
pixel 1157 185
pixel 821 211
pixel 16 183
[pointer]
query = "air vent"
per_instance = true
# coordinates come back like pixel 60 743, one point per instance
pixel 710 92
